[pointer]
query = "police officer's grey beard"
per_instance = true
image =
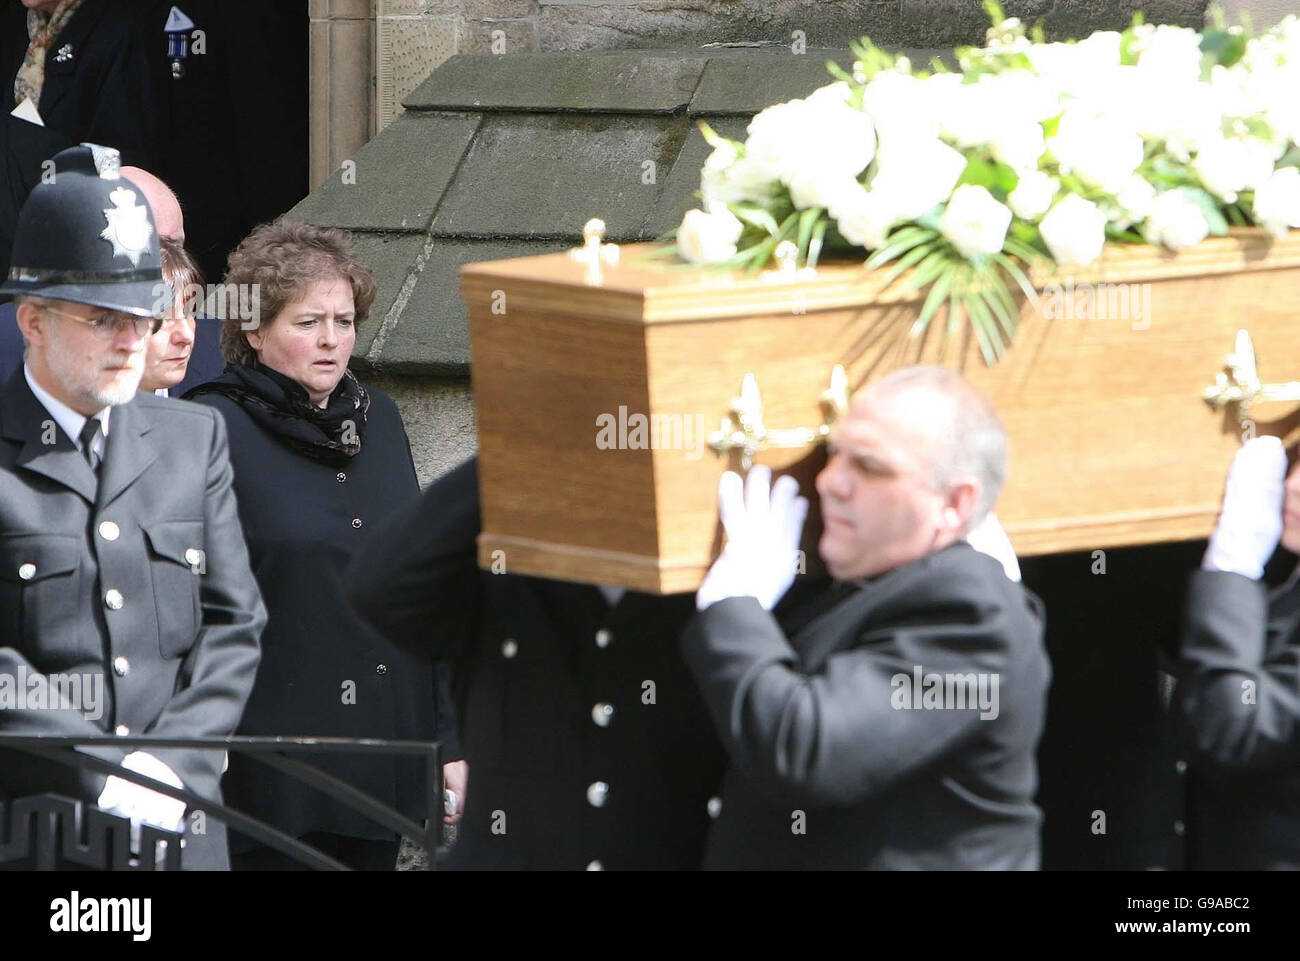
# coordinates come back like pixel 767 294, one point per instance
pixel 63 369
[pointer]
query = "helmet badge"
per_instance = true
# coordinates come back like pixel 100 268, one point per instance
pixel 128 227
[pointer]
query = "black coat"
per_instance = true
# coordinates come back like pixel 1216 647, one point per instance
pixel 536 663
pixel 106 90
pixel 1239 701
pixel 300 520
pixel 182 640
pixel 829 770
pixel 205 359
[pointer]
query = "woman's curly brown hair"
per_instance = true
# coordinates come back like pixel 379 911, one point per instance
pixel 282 259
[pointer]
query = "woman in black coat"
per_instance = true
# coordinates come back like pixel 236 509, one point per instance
pixel 318 460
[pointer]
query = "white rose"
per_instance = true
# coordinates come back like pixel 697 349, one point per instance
pixel 1169 51
pixel 1074 231
pixel 1175 221
pixel 1103 153
pixel 816 186
pixel 744 180
pixel 917 175
pixel 1277 201
pixel 708 238
pixel 802 141
pixel 1033 194
pixel 722 157
pixel 1004 111
pixel 1019 145
pixel 900 104
pixel 863 217
pixel 1135 199
pixel 974 222
pixel 1073 68
pixel 1225 165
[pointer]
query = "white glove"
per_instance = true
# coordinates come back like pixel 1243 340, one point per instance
pixel 763 525
pixel 1250 524
pixel 989 538
pixel 141 804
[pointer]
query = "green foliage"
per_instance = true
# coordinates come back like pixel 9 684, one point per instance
pixel 994 176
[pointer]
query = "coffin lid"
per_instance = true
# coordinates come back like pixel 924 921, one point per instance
pixel 641 290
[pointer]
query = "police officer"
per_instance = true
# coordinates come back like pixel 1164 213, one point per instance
pixel 122 562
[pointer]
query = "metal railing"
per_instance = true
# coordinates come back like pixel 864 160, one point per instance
pixel 272 751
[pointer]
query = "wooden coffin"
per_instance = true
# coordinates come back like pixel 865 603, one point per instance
pixel 1112 440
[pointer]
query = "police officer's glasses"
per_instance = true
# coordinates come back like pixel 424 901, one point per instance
pixel 109 325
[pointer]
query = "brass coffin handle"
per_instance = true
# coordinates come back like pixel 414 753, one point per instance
pixel 1239 382
pixel 743 429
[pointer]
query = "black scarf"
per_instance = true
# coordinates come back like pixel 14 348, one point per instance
pixel 331 434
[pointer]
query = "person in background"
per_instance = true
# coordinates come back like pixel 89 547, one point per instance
pixel 891 722
pixel 73 71
pixel 319 460
pixel 168 354
pixel 1238 696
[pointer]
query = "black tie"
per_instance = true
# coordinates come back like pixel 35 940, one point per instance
pixel 90 431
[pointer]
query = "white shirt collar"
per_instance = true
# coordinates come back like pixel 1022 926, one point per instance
pixel 66 417
pixel 162 392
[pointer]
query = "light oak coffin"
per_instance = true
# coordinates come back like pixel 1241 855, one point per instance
pixel 1112 441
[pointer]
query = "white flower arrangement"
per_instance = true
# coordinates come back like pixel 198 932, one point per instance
pixel 1159 134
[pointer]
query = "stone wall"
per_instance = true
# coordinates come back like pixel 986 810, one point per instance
pixel 369 54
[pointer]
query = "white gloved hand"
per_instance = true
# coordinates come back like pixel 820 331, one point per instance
pixel 1250 524
pixel 763 524
pixel 141 804
pixel 989 538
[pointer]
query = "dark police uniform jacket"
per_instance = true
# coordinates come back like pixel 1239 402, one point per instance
pixel 142 580
pixel 588 746
pixel 836 763
pixel 303 521
pixel 1239 700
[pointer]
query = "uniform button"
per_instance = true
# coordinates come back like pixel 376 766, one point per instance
pixel 27 571
pixel 122 730
pixel 340 477
pixel 356 522
pixel 603 637
pixel 597 791
pixel 1180 828
pixel 109 531
pixel 595 866
pixel 1180 767
pixel 193 556
pixel 121 666
pixel 381 669
pixel 715 807
pixel 510 648
pixel 114 599
pixel 602 712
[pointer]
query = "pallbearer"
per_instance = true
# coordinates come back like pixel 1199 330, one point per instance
pixel 587 743
pixel 890 722
pixel 1240 687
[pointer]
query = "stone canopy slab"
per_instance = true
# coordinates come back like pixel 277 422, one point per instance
pixel 597 82
pixel 399 177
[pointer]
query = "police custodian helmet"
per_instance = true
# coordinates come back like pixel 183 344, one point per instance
pixel 87 235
